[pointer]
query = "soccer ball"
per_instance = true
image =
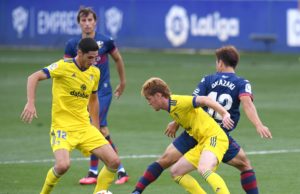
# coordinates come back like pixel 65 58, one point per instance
pixel 104 192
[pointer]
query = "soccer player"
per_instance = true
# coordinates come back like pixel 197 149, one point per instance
pixel 229 90
pixel 74 88
pixel 212 140
pixel 87 19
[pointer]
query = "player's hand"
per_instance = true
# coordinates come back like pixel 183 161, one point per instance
pixel 171 129
pixel 264 132
pixel 28 113
pixel 227 122
pixel 119 90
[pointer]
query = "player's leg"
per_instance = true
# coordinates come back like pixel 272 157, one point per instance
pixel 107 173
pixel 105 101
pixel 62 164
pixel 179 173
pixel 122 175
pixel 174 151
pixel 236 157
pixel 62 159
pixel 213 150
pixel 91 178
pixel 93 142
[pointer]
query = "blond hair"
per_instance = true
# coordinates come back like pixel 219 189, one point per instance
pixel 155 85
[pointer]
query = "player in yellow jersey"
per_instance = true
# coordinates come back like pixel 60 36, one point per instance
pixel 74 89
pixel 212 140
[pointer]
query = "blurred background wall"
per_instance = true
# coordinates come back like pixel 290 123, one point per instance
pixel 251 25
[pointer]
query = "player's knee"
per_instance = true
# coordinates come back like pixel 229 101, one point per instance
pixel 168 159
pixel 165 161
pixel 174 172
pixel 204 168
pixel 114 163
pixel 62 167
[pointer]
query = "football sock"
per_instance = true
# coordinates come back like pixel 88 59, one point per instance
pixel 121 168
pixel 105 179
pixel 216 182
pixel 151 174
pixel 248 181
pixel 94 164
pixel 189 184
pixel 51 180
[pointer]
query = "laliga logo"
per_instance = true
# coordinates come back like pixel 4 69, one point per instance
pixel 114 18
pixel 20 20
pixel 178 25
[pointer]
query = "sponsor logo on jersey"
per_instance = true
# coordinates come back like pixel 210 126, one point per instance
pixel 79 94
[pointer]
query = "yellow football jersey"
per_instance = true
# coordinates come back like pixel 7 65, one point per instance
pixel 71 89
pixel 193 119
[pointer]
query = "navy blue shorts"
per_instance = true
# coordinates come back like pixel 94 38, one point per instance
pixel 104 103
pixel 232 151
pixel 184 142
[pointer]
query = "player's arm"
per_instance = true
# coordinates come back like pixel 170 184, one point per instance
pixel 121 71
pixel 29 111
pixel 94 109
pixel 206 101
pixel 251 112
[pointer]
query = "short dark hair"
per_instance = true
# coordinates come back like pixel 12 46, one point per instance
pixel 88 44
pixel 229 55
pixel 85 11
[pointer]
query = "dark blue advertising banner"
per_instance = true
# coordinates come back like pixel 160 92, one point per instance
pixel 253 25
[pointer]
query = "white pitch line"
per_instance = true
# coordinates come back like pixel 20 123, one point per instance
pixel 263 152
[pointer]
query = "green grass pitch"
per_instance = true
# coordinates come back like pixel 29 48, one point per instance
pixel 137 130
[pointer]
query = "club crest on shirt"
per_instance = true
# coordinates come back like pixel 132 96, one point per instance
pixel 83 87
pixel 100 44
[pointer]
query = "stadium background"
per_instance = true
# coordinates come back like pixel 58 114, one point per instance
pixel 153 37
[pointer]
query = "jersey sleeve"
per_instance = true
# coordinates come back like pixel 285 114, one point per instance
pixel 110 44
pixel 245 89
pixel 70 50
pixel 54 70
pixel 201 90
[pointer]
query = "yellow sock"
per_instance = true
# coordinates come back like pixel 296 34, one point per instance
pixel 189 184
pixel 51 180
pixel 216 182
pixel 105 178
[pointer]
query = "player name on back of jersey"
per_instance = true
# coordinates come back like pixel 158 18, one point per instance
pixel 222 82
